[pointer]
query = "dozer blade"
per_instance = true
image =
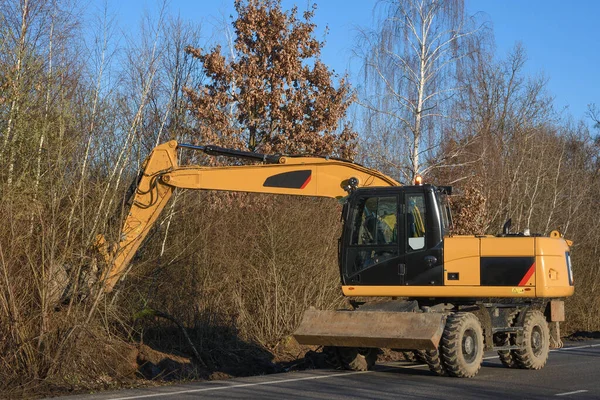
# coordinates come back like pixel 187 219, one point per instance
pixel 396 330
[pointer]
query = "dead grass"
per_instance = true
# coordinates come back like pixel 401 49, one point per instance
pixel 238 272
pixel 255 265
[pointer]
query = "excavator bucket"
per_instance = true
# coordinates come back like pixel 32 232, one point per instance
pixel 383 329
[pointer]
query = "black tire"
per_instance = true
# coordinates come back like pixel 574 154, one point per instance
pixel 534 343
pixel 434 362
pixel 351 358
pixel 420 355
pixel 332 357
pixel 409 355
pixel 462 345
pixel 416 356
pixel 507 357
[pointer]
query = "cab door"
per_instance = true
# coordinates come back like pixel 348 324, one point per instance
pixel 371 241
pixel 422 244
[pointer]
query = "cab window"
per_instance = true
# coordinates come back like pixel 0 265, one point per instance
pixel 415 220
pixel 375 221
pixel 446 215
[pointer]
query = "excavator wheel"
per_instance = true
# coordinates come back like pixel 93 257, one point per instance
pixel 332 357
pixel 351 358
pixel 434 362
pixel 462 345
pixel 409 355
pixel 534 343
pixel 417 356
pixel 420 355
pixel 507 357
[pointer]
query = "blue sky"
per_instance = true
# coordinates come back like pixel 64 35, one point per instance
pixel 562 38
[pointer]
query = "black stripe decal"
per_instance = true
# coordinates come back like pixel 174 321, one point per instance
pixel 504 271
pixel 291 180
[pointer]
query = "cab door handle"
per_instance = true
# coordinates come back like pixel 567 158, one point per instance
pixel 401 269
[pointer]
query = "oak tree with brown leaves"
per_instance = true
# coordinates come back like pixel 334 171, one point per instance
pixel 274 95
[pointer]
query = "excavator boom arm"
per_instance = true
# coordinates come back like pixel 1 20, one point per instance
pixel 301 176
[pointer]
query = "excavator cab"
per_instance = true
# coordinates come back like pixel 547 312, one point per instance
pixel 394 236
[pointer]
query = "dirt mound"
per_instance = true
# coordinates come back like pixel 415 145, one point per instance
pixel 155 365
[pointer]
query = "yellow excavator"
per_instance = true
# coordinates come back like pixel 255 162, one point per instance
pixel 447 298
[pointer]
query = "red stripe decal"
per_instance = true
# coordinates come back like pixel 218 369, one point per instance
pixel 305 182
pixel 527 275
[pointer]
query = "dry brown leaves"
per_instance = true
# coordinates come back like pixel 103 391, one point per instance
pixel 276 96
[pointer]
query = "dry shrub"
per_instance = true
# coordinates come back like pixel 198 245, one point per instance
pixel 468 210
pixel 53 334
pixel 246 270
pixel 583 309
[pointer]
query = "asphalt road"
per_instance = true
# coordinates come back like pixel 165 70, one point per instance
pixel 572 372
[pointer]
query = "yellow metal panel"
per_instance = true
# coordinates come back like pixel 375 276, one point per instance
pixel 461 256
pixel 552 275
pixel 438 291
pixel 552 272
pixel 328 178
pixel 507 246
pixel 555 291
pixel 148 203
pixel 545 246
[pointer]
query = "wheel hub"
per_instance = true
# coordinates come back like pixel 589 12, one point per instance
pixel 469 346
pixel 536 340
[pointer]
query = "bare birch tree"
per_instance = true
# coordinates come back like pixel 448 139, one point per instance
pixel 410 64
